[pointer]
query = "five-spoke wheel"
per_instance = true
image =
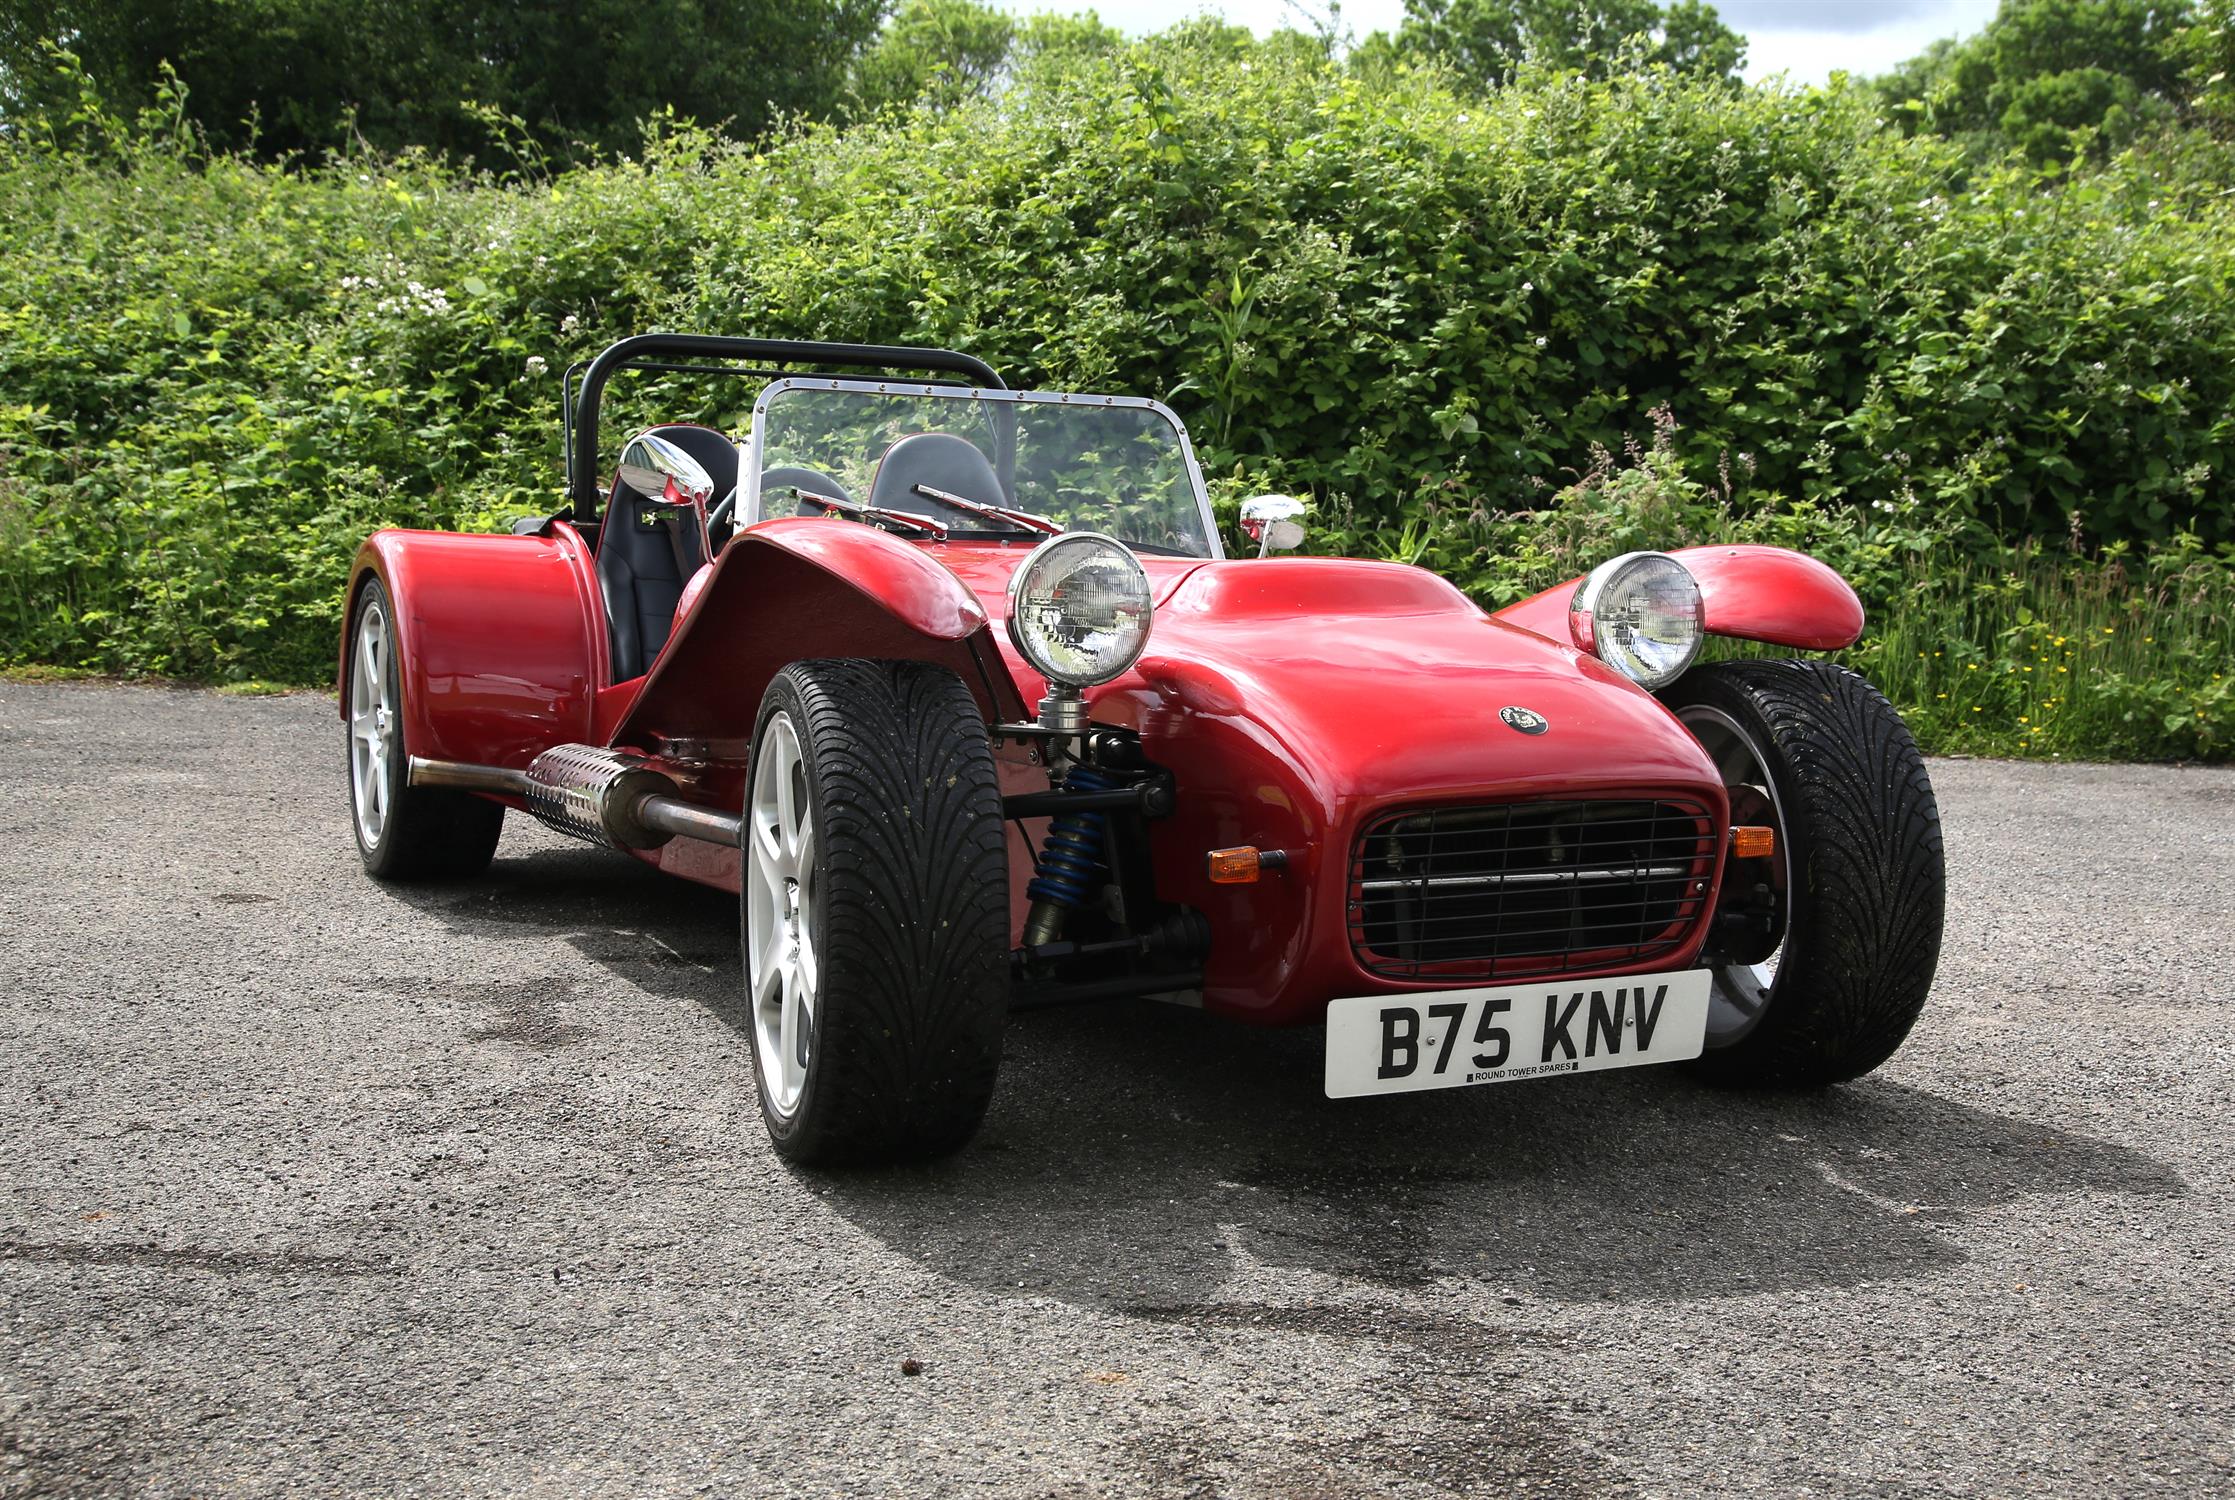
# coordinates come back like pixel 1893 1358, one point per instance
pixel 779 894
pixel 403 832
pixel 1757 906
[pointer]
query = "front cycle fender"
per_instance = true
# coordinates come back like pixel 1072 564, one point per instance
pixel 798 589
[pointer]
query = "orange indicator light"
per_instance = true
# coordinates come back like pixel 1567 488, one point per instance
pixel 1752 842
pixel 1235 866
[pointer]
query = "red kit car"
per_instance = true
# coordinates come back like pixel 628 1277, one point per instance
pixel 955 687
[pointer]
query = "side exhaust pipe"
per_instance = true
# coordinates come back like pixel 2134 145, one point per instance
pixel 592 793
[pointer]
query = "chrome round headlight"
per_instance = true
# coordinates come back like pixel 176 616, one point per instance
pixel 1079 608
pixel 1640 614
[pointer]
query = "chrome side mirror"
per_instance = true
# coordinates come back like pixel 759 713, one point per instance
pixel 1274 522
pixel 650 464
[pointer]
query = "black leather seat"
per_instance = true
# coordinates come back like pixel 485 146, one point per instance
pixel 648 549
pixel 940 460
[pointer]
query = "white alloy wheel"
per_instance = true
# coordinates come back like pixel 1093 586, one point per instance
pixel 372 724
pixel 1742 991
pixel 781 888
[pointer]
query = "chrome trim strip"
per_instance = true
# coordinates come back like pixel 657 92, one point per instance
pixel 1528 877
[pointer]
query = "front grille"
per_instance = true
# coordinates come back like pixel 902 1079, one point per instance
pixel 1528 888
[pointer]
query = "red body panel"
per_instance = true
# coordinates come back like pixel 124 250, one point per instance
pixel 501 640
pixel 1749 593
pixel 1295 699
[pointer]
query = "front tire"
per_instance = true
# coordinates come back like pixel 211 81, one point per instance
pixel 404 832
pixel 875 908
pixel 1856 890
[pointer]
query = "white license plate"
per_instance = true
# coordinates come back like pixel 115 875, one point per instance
pixel 1393 1044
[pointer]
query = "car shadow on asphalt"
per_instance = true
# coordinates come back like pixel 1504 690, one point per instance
pixel 1154 1160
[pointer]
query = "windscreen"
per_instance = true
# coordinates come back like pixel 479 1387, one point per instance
pixel 958 457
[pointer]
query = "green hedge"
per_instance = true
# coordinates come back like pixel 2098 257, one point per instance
pixel 1426 310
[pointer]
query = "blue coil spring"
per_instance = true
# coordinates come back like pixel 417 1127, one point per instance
pixel 1070 863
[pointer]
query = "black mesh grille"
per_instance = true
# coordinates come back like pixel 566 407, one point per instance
pixel 1528 887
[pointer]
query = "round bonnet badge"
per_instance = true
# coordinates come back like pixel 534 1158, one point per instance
pixel 1525 720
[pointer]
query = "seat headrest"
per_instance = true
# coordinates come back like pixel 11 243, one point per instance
pixel 941 460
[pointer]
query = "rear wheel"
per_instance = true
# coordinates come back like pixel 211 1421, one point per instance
pixel 1822 953
pixel 875 908
pixel 404 832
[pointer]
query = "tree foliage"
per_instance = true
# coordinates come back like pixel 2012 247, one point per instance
pixel 2205 50
pixel 285 76
pixel 1488 42
pixel 2054 78
pixel 935 51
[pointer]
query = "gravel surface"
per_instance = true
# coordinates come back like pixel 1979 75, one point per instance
pixel 318 1187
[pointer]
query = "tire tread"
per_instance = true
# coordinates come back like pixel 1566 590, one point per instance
pixel 1867 860
pixel 914 926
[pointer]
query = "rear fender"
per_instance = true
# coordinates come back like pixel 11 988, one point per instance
pixel 1749 593
pixel 799 588
pixel 500 640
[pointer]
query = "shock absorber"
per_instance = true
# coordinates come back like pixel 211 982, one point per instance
pixel 1070 864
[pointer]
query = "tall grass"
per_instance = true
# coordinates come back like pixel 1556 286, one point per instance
pixel 2039 654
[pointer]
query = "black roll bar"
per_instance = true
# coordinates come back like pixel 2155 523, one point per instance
pixel 645 351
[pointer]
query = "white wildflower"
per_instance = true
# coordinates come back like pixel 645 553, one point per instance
pixel 537 364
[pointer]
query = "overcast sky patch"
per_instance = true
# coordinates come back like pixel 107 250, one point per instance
pixel 1825 15
pixel 1806 40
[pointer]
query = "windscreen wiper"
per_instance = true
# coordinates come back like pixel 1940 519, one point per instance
pixel 1023 520
pixel 855 512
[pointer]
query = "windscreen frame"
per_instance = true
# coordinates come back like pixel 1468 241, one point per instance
pixel 749 509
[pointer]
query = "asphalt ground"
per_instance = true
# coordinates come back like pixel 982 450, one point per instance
pixel 314 1186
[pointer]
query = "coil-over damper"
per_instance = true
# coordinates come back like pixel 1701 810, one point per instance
pixel 1073 861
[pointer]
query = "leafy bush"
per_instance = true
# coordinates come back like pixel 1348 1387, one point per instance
pixel 1425 310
